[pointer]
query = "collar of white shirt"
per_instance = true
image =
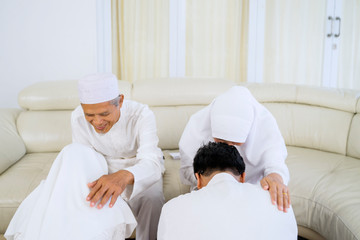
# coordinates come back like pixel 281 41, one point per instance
pixel 220 177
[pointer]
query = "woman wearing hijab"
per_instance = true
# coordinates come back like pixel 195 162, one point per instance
pixel 236 118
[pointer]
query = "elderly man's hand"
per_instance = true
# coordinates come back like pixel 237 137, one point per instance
pixel 109 186
pixel 279 192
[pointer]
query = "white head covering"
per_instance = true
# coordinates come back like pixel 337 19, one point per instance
pixel 98 88
pixel 236 116
pixel 232 115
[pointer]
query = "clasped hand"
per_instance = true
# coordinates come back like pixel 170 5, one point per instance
pixel 279 192
pixel 109 186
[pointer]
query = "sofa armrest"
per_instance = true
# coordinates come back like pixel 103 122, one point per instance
pixel 12 147
pixel 171 179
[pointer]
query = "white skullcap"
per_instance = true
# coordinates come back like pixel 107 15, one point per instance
pixel 98 88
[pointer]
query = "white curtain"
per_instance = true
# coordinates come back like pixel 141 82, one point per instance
pixel 349 60
pixel 140 39
pixel 216 38
pixel 294 39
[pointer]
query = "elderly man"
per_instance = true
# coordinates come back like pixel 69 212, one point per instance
pixel 224 207
pixel 113 157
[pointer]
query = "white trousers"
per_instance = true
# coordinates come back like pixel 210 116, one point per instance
pixel 147 208
pixel 57 209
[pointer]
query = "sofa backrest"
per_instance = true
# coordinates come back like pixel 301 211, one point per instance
pixel 353 149
pixel 173 101
pixel 12 146
pixel 57 95
pixel 45 126
pixel 310 117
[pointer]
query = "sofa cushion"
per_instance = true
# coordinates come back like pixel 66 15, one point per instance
pixel 353 148
pixel 312 126
pixel 49 96
pixel 45 131
pixel 325 192
pixel 341 99
pixel 272 92
pixel 172 185
pixel 338 201
pixel 167 118
pixel 9 137
pixel 180 91
pixel 57 95
pixel 19 180
pixel 50 131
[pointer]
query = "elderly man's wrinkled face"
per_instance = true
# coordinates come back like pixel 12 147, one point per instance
pixel 102 116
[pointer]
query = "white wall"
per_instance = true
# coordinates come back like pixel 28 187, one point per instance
pixel 42 40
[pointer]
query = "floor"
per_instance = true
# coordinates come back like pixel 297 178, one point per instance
pixel 2 238
pixel 301 238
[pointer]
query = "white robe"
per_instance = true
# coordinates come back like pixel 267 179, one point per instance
pixel 131 144
pixel 57 208
pixel 225 209
pixel 236 116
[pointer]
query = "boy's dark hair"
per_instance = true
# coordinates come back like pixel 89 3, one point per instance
pixel 218 157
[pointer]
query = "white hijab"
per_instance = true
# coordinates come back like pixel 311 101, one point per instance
pixel 232 115
pixel 236 116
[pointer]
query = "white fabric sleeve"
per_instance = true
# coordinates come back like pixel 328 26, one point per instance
pixel 274 150
pixel 162 233
pixel 150 165
pixel 188 145
pixel 275 162
pixel 187 176
pixel 77 131
pixel 196 133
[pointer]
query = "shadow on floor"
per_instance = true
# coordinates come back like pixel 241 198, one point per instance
pixel 301 238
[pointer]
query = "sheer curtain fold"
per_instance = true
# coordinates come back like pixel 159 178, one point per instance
pixel 115 37
pixel 216 38
pixel 294 39
pixel 140 39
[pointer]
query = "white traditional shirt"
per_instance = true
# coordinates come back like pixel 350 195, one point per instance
pixel 236 116
pixel 131 144
pixel 225 209
pixel 57 208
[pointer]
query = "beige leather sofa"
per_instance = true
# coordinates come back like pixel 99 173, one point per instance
pixel 321 128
